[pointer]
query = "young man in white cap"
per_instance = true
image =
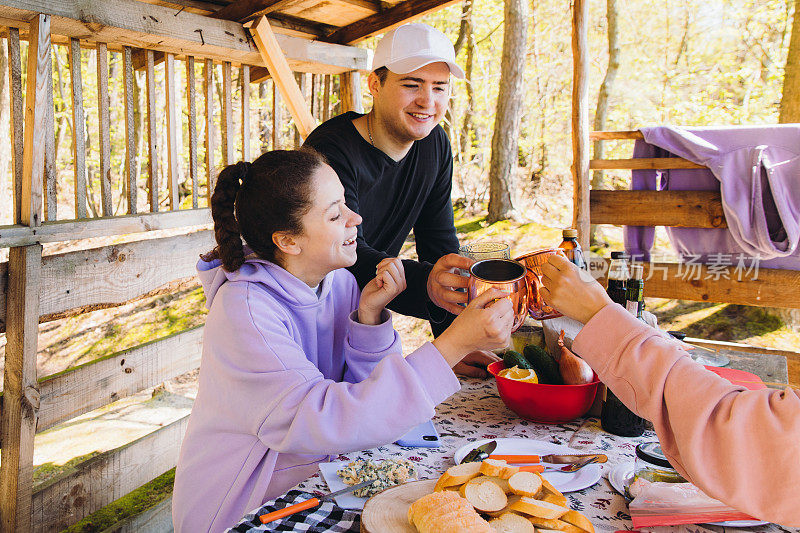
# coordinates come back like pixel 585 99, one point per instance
pixel 396 166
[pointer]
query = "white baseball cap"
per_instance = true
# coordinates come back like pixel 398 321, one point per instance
pixel 412 46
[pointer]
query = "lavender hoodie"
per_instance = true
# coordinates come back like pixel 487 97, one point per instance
pixel 757 170
pixel 288 379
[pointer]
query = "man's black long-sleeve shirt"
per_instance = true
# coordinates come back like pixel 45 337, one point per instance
pixel 394 198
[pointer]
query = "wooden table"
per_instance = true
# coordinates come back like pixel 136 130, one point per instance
pixel 771 368
pixel 476 412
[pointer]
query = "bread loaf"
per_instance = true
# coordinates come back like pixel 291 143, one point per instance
pixel 446 512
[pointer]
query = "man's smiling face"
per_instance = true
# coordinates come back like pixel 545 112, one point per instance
pixel 409 106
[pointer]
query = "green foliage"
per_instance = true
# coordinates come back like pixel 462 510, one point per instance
pixel 683 62
pixel 132 504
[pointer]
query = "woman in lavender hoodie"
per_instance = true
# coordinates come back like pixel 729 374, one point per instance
pixel 298 365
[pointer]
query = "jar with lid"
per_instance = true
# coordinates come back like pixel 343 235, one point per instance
pixel 652 465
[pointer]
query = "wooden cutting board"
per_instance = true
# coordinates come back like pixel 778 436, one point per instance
pixel 387 511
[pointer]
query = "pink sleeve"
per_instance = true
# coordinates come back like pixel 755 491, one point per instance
pixel 739 446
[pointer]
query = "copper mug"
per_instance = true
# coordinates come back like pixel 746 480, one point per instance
pixel 533 262
pixel 505 275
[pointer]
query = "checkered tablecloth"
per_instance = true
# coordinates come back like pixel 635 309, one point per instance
pixel 476 412
pixel 326 517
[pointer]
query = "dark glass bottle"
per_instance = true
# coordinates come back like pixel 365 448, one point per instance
pixel 615 417
pixel 634 292
pixel 618 274
pixel 572 249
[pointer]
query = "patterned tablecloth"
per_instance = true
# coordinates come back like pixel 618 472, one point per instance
pixel 477 412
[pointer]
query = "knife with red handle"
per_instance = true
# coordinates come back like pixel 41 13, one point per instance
pixel 310 503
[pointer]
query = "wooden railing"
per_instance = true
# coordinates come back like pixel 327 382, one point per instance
pixel 37 288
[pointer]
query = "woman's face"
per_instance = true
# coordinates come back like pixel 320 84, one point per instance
pixel 329 233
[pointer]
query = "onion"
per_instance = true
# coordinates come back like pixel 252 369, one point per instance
pixel 574 370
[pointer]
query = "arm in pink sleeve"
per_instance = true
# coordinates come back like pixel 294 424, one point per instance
pixel 737 445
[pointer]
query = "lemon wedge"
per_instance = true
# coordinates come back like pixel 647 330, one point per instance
pixel 516 373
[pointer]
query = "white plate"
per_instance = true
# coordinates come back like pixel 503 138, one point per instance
pixel 563 481
pixel 622 474
pixel 334 481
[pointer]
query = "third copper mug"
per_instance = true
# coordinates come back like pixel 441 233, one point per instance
pixel 533 262
pixel 505 275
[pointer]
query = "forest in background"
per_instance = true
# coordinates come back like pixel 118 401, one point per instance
pixel 680 62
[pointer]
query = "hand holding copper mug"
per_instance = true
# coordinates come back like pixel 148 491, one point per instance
pixel 533 262
pixel 505 275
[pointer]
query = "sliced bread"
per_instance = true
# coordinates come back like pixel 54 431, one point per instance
pixel 511 523
pixel 525 484
pixel 484 496
pixel 457 475
pixel 538 508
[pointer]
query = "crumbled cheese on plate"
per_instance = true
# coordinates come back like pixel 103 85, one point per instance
pixel 387 473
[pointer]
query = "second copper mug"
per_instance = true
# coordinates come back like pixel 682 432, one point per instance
pixel 533 262
pixel 503 274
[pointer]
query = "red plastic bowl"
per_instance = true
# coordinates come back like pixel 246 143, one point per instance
pixel 548 404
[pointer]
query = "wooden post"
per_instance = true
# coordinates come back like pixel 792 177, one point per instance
pixel 301 80
pixel 192 107
pixel 276 117
pixel 326 104
pixel 208 92
pixel 152 133
pixel 20 387
pixel 282 75
pixel 131 169
pixel 227 116
pixel 245 112
pixel 314 99
pixel 105 129
pixel 17 117
pixel 49 175
pixel 350 92
pixel 580 122
pixel 172 133
pixel 78 130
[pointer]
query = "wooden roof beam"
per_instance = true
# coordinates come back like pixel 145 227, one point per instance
pixel 125 23
pixel 282 74
pixel 386 20
pixel 242 10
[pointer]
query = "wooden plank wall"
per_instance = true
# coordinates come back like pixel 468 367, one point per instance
pixel 105 478
pixel 35 288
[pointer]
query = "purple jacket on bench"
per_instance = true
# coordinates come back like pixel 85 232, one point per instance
pixel 757 171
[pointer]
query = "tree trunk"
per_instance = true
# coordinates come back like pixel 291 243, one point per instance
pixel 505 158
pixel 464 28
pixel 790 102
pixel 469 137
pixel 606 88
pixel 264 130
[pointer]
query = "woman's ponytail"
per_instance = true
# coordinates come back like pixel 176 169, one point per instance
pixel 226 229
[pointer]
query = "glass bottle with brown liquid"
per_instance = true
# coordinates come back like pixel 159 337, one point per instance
pixel 572 249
